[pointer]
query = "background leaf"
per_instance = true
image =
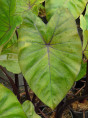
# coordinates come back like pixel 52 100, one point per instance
pixel 23 6
pixel 8 21
pixel 82 72
pixel 83 23
pixel 9 56
pixel 85 43
pixel 76 7
pixel 29 110
pixel 9 105
pixel 50 55
pixel 84 20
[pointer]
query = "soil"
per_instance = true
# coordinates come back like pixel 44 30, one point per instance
pixel 80 106
pixel 66 114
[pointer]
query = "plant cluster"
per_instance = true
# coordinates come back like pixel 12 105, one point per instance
pixel 41 40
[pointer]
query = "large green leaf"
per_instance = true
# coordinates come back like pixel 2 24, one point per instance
pixel 9 105
pixel 9 56
pixel 23 6
pixel 76 7
pixel 8 21
pixel 50 55
pixel 29 110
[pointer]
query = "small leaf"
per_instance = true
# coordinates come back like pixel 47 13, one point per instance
pixel 82 72
pixel 86 17
pixel 85 43
pixel 9 56
pixel 29 110
pixel 9 105
pixel 50 55
pixel 84 20
pixel 83 23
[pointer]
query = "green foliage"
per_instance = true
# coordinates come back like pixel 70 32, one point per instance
pixel 23 6
pixel 50 55
pixel 83 23
pixel 9 105
pixel 9 56
pixel 84 20
pixel 11 108
pixel 29 110
pixel 82 72
pixel 8 21
pixel 76 7
pixel 85 43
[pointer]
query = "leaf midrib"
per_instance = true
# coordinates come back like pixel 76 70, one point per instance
pixel 49 71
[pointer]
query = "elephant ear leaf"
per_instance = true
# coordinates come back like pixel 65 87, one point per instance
pixel 50 55
pixel 9 105
pixel 76 7
pixel 8 21
pixel 9 56
pixel 29 110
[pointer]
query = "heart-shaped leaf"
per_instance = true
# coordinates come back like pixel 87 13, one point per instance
pixel 50 55
pixel 8 21
pixel 9 56
pixel 29 110
pixel 76 7
pixel 9 105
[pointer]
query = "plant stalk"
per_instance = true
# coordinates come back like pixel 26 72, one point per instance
pixel 86 87
pixel 26 89
pixel 17 85
pixel 10 80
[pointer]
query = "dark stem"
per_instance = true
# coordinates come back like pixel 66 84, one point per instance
pixel 26 89
pixel 86 86
pixel 16 34
pixel 33 99
pixel 87 78
pixel 17 85
pixel 10 80
pixel 4 80
pixel 58 109
pixel 37 106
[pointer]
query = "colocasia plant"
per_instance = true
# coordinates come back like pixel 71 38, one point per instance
pixel 49 55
